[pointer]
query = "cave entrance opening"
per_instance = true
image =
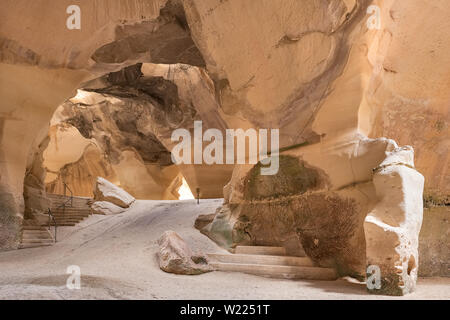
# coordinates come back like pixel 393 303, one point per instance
pixel 97 135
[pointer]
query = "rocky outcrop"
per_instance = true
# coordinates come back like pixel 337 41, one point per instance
pixel 129 116
pixel 407 93
pixel 434 244
pixel 175 256
pixel 329 73
pixel 106 208
pixel 42 63
pixel 168 97
pixel 312 69
pixel 321 201
pixel 106 191
pixel 393 225
pixel 89 141
pixel 327 99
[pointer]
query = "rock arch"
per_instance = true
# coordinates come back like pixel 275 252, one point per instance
pixel 315 72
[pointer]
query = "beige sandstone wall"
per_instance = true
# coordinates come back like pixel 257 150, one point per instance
pixel 408 91
pixel 42 63
pixel 325 82
pixel 87 142
pixel 310 68
pixel 138 109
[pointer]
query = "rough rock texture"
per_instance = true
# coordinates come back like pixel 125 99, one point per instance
pixel 106 208
pixel 87 141
pixel 392 227
pixel 106 191
pixel 175 256
pixel 319 61
pixel 42 63
pixel 311 68
pixel 136 110
pixel 334 75
pixel 318 208
pixel 408 90
pixel 203 220
pixel 167 97
pixel 434 242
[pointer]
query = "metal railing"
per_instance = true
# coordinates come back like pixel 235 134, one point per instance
pixel 66 187
pixel 63 205
pixel 50 218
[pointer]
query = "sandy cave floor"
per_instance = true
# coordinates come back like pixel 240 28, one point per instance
pixel 118 260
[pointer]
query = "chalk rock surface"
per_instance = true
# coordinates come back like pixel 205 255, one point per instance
pixel 392 227
pixel 106 191
pixel 314 70
pixel 90 137
pixel 106 208
pixel 175 256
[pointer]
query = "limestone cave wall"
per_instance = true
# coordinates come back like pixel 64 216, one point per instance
pixel 361 111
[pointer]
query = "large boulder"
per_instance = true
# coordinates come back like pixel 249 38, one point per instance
pixel 106 191
pixel 106 208
pixel 175 256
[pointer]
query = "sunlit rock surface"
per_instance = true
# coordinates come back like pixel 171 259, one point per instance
pixel 130 117
pixel 106 208
pixel 393 225
pixel 311 68
pixel 42 63
pixel 102 139
pixel 324 83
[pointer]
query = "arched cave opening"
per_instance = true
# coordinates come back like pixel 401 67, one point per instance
pixel 118 127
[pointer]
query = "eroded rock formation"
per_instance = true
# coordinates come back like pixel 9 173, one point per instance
pixel 110 199
pixel 92 135
pixel 42 63
pixel 312 69
pixel 322 83
pixel 130 116
pixel 332 208
pixel 393 225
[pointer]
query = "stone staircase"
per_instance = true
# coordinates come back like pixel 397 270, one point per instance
pixel 36 235
pixel 72 213
pixel 270 262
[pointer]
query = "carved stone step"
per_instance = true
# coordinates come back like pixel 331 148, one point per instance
pixel 27 241
pixel 34 245
pixel 260 250
pixel 277 271
pixel 65 224
pixel 33 228
pixel 74 208
pixel 262 259
pixel 44 236
pixel 71 216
